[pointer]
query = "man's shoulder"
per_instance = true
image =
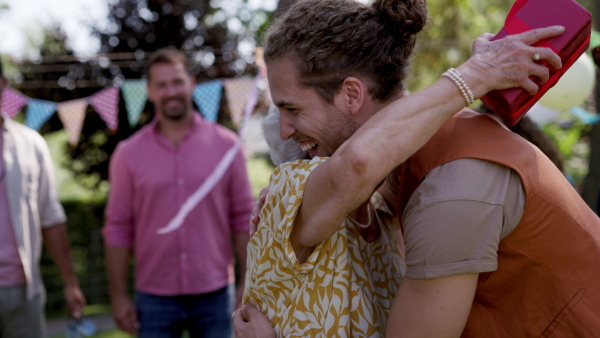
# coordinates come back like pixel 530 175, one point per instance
pixel 22 133
pixel 470 179
pixel 222 133
pixel 137 139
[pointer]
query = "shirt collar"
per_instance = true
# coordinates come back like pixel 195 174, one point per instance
pixel 197 120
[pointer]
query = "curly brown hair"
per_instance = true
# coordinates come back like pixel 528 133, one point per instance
pixel 334 39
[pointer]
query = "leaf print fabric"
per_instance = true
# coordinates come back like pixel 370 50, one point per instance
pixel 347 285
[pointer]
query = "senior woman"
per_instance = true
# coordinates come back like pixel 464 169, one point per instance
pixel 351 277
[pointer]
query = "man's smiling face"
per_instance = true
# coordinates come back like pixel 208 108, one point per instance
pixel 319 127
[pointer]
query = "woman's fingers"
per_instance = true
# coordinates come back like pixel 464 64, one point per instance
pixel 511 61
pixel 534 35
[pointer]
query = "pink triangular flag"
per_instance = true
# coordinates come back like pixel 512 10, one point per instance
pixel 72 114
pixel 106 103
pixel 12 102
pixel 237 91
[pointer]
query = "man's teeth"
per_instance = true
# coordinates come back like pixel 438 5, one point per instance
pixel 308 146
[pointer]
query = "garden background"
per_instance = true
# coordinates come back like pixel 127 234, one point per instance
pixel 221 37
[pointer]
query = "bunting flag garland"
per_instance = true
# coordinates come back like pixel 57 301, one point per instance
pixel 38 112
pixel 72 114
pixel 237 94
pixel 135 95
pixel 242 95
pixel 251 100
pixel 12 102
pixel 106 103
pixel 207 96
pixel 584 115
pixel 263 85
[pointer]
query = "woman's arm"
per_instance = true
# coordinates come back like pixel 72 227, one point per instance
pixel 398 130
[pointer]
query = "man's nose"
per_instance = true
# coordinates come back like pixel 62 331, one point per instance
pixel 286 129
pixel 171 90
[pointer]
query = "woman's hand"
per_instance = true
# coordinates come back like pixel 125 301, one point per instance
pixel 249 322
pixel 508 62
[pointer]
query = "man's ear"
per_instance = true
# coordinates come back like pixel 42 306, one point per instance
pixel 354 92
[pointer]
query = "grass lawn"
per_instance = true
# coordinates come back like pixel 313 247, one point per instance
pixel 259 172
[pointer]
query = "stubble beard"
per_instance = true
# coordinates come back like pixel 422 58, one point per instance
pixel 341 130
pixel 175 114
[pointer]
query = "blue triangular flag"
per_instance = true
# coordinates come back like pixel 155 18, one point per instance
pixel 584 115
pixel 38 112
pixel 207 96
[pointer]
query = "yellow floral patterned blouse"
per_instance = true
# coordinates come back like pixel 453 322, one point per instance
pixel 346 287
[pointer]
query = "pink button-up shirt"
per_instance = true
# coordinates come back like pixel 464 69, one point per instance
pixel 150 180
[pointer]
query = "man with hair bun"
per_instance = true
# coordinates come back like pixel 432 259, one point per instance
pixel 497 242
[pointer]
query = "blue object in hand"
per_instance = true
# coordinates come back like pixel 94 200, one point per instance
pixel 77 328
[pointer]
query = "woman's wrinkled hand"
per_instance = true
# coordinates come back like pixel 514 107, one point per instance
pixel 509 62
pixel 249 322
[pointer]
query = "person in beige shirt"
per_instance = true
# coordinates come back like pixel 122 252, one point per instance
pixel 32 214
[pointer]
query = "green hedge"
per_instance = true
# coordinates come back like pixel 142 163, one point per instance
pixel 85 219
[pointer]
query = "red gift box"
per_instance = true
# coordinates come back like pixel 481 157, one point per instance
pixel 512 104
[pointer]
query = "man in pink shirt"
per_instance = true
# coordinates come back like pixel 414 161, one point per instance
pixel 183 277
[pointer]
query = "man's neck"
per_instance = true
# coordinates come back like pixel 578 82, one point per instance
pixel 375 106
pixel 175 130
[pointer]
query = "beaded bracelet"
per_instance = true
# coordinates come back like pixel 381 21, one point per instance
pixel 455 76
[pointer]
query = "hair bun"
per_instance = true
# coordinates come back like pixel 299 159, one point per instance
pixel 405 18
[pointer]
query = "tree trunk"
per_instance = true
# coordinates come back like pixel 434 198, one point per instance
pixel 591 185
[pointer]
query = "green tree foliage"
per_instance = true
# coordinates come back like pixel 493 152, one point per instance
pixel 217 35
pixel 209 34
pixel 452 27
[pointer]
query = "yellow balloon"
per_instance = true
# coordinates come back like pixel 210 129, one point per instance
pixel 573 87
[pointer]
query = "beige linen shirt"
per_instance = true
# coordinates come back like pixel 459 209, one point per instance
pixel 32 195
pixel 454 221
